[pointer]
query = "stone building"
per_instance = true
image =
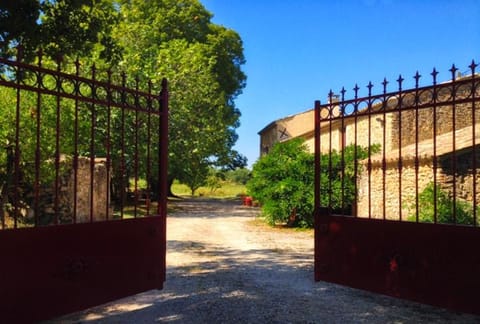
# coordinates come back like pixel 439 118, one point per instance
pixel 284 129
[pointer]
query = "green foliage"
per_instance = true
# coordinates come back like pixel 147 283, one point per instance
pixel 444 209
pixel 337 194
pixel 239 175
pixel 60 27
pixel 283 181
pixel 215 178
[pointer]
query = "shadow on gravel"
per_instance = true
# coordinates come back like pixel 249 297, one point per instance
pixel 209 207
pixel 258 286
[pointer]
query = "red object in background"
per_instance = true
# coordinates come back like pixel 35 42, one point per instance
pixel 247 201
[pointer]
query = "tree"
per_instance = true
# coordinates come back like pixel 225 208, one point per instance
pixel 283 181
pixel 239 175
pixel 202 61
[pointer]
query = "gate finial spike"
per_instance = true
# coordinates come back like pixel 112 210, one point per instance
pixel 370 86
pixel 384 83
pixel 356 90
pixel 400 80
pixel 434 75
pixel 453 70
pixel 417 77
pixel 473 66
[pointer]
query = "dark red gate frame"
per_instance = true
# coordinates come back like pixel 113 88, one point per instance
pixel 435 263
pixel 46 271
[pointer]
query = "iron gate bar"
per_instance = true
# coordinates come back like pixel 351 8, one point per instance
pixel 384 151
pixel 417 162
pixel 17 156
pixel 474 99
pixel 57 143
pixel 93 118
pixel 453 70
pixel 343 138
pixel 355 163
pixel 434 107
pixel 75 145
pixel 369 162
pixel 400 164
pixel 108 140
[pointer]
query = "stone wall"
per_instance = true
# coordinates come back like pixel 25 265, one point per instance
pixel 66 197
pixel 444 122
pixel 401 203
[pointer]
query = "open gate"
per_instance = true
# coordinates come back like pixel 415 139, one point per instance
pixel 397 191
pixel 83 162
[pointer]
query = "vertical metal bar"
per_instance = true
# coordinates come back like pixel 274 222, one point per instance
pixel 163 166
pixel 343 135
pixel 92 142
pixel 330 117
pixel 16 174
pixel 434 112
pixel 57 145
pixel 135 162
pixel 317 179
pixel 163 151
pixel 474 162
pixel 400 158
pixel 108 141
pixel 122 144
pixel 149 139
pixel 384 149
pixel 355 153
pixel 417 162
pixel 317 151
pixel 75 143
pixel 36 204
pixel 369 148
pixel 453 70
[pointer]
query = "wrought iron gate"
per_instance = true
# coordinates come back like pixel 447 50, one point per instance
pixel 83 162
pixel 402 216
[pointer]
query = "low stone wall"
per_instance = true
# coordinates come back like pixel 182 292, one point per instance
pixel 100 205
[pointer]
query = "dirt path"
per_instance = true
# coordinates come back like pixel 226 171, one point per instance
pixel 225 267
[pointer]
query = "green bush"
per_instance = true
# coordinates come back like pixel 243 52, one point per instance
pixel 445 207
pixel 283 182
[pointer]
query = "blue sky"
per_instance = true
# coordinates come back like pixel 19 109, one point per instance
pixel 297 50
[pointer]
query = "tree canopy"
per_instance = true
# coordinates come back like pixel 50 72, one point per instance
pixel 59 27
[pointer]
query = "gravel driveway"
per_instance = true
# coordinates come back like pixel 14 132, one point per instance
pixel 225 266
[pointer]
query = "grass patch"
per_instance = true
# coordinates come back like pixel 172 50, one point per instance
pixel 227 190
